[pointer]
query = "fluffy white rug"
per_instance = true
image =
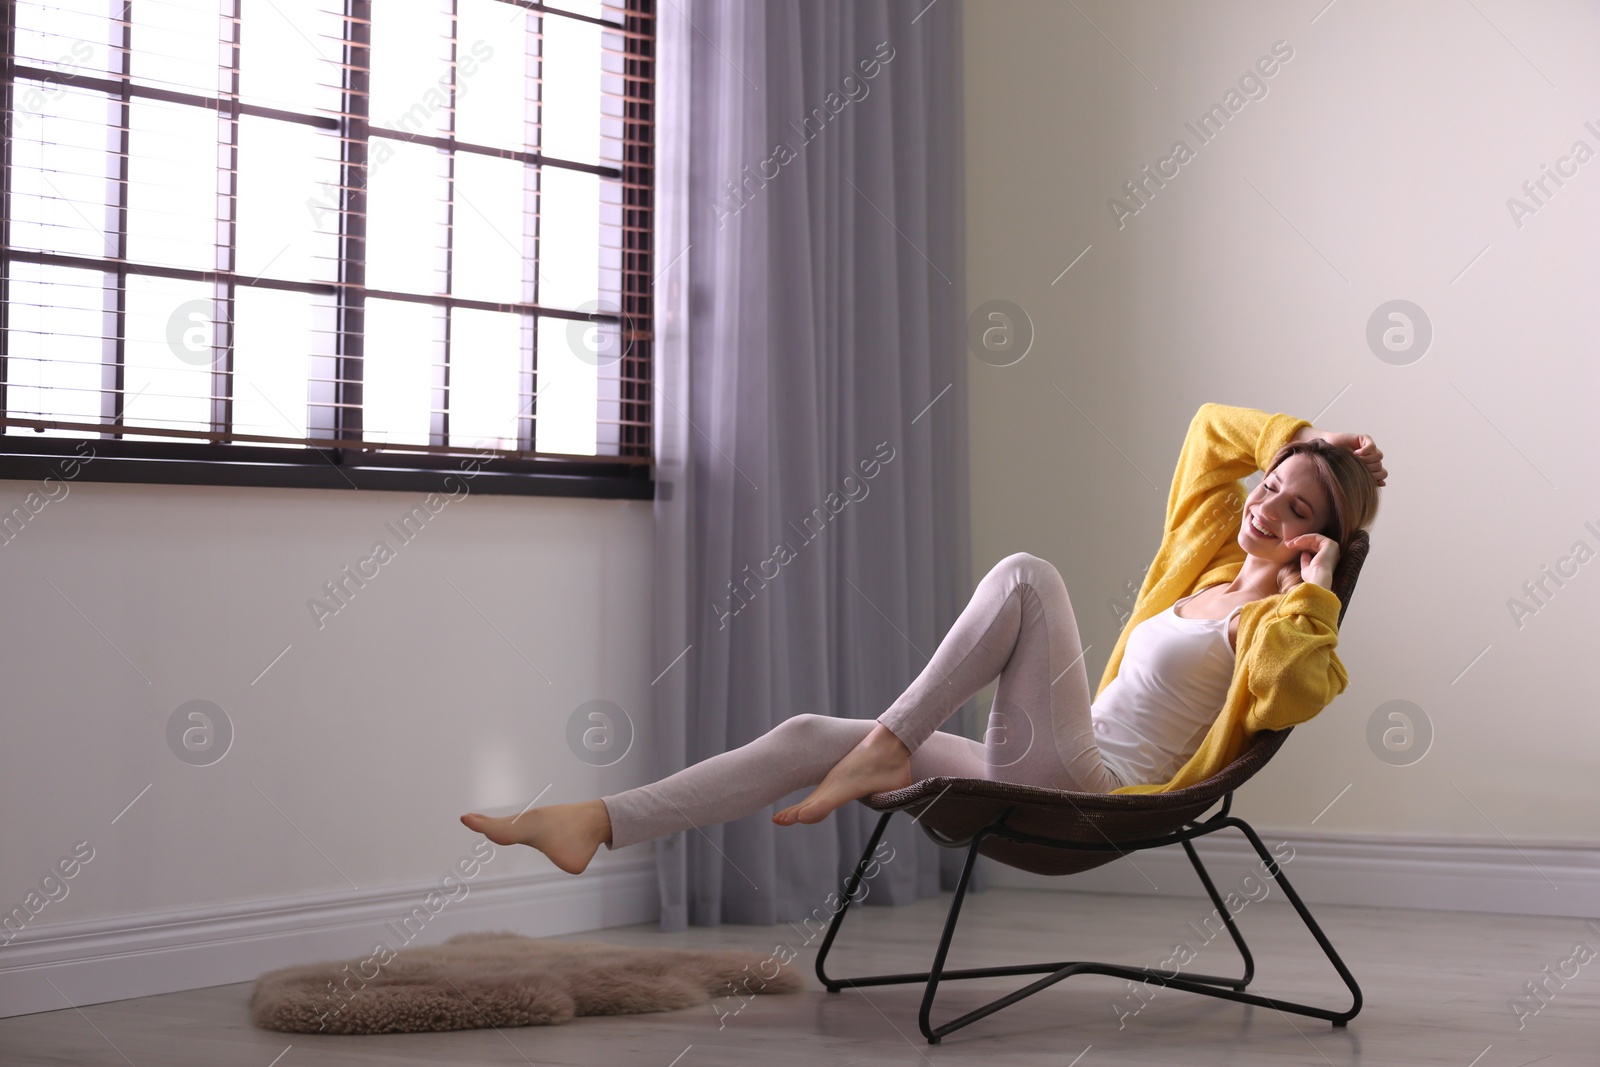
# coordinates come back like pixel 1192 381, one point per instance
pixel 502 979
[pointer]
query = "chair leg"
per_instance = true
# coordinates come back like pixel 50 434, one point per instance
pixel 1340 1018
pixel 1057 970
pixel 923 1015
pixel 834 985
pixel 1233 929
pixel 930 977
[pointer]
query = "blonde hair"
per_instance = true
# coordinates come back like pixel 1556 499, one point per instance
pixel 1352 494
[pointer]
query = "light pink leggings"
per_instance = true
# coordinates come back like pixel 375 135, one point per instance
pixel 1018 626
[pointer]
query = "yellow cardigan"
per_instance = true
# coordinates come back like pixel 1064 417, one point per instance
pixel 1287 670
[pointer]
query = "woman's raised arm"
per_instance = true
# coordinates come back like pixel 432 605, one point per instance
pixel 1223 445
pixel 1363 446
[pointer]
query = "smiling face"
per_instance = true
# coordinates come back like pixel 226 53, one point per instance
pixel 1286 503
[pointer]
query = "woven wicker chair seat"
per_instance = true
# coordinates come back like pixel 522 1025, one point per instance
pixel 952 810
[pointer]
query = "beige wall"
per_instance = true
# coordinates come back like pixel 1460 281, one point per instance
pixel 1377 166
pixel 445 685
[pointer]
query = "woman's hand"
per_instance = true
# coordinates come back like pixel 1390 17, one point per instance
pixel 1319 555
pixel 1363 446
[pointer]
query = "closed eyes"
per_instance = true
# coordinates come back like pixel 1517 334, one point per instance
pixel 1274 488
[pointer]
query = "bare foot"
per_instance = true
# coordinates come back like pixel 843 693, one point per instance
pixel 879 763
pixel 569 834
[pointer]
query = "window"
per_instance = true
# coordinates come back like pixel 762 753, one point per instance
pixel 328 242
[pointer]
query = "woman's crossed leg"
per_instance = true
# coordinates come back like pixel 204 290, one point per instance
pixel 798 752
pixel 1018 626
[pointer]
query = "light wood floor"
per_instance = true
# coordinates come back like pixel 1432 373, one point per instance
pixel 1437 987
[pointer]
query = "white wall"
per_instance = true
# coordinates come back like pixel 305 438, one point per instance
pixel 1378 166
pixel 336 807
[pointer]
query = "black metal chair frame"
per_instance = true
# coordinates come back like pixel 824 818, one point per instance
pixel 1208 985
pixel 1204 984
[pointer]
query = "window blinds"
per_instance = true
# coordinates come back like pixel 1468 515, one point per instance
pixel 397 225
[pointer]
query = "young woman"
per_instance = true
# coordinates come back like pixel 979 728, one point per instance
pixel 1233 631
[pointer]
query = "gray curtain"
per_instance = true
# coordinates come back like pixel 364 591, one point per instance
pixel 811 512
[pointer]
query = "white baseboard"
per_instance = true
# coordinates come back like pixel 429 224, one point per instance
pixel 101 960
pixel 1377 871
pixel 91 962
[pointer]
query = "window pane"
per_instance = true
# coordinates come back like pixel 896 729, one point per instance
pixel 569 238
pixel 570 114
pixel 172 184
pixel 53 366
pixel 64 35
pixel 411 66
pixel 492 83
pixel 489 224
pixel 289 54
pixel 58 183
pixel 404 345
pixel 566 383
pixel 485 368
pixel 168 371
pixel 406 188
pixel 275 335
pixel 608 411
pixel 517 76
pixel 288 201
pixel 177 43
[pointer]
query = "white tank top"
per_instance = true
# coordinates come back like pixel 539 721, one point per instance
pixel 1168 691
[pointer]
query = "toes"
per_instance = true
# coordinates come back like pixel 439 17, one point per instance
pixel 794 813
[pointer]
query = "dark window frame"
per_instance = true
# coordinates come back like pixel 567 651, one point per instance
pixel 124 457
